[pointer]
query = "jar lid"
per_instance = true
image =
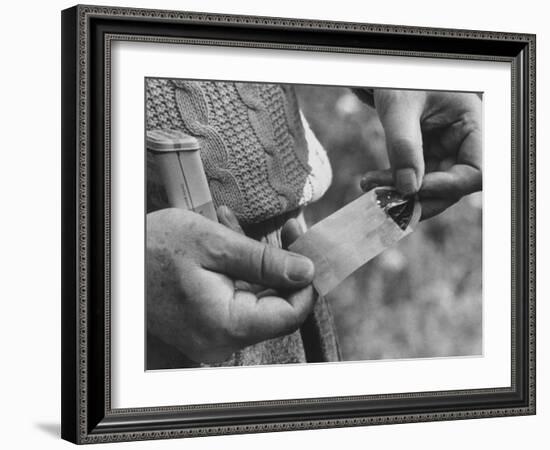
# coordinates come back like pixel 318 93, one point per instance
pixel 166 140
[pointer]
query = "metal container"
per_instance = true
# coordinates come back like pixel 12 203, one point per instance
pixel 178 157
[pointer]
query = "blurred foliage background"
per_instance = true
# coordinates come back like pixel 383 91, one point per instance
pixel 421 298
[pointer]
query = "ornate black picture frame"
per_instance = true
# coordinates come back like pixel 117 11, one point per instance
pixel 87 35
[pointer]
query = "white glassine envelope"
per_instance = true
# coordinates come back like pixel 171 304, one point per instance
pixel 349 238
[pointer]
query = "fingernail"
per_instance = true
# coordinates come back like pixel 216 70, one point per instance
pixel 299 269
pixel 405 181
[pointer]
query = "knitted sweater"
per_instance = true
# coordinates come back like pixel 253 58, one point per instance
pixel 253 144
pixel 258 162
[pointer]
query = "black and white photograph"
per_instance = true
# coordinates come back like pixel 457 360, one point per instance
pixel 276 225
pixel 292 223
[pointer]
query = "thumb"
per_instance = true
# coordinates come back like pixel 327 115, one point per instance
pixel 243 258
pixel 400 113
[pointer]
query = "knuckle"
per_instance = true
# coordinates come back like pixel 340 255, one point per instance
pixel 238 334
pixel 404 149
pixel 264 261
pixel 252 258
pixel 402 144
pixel 215 248
pixel 234 329
pixel 213 245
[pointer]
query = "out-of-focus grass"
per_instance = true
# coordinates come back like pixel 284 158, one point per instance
pixel 421 298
